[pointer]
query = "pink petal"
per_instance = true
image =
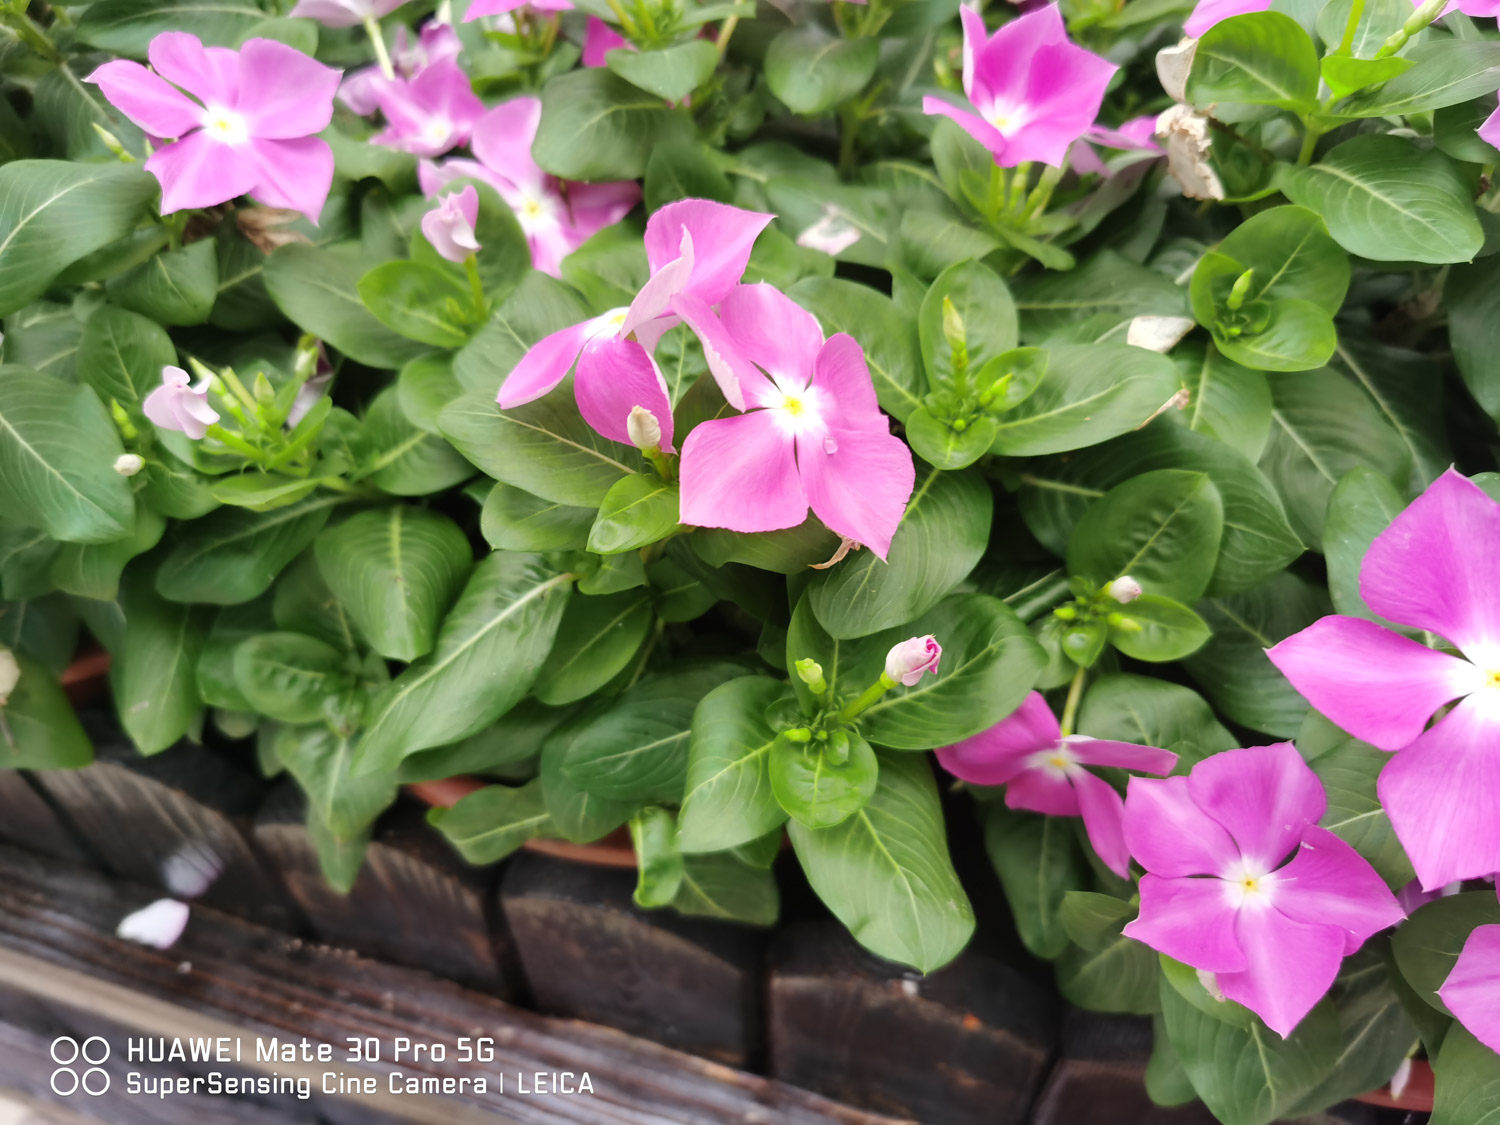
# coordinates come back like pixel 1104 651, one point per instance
pixel 1039 790
pixel 283 93
pixel 1122 755
pixel 331 13
pixel 1377 685
pixel 1434 568
pixel 615 375
pixel 1329 883
pixel 841 372
pixel 994 756
pixel 741 473
pixel 1004 64
pixel 722 239
pixel 210 74
pixel 362 90
pixel 1489 131
pixel 599 39
pixel 976 35
pixel 858 481
pixel 1190 920
pixel 144 98
pixel 1171 835
pixel 482 8
pixel 1442 794
pixel 294 173
pixel 1265 797
pixel 978 128
pixel 665 282
pixel 741 381
pixel 543 367
pixel 1103 818
pixel 1066 92
pixel 773 331
pixel 1291 966
pixel 550 244
pixel 198 172
pixel 1210 12
pixel 502 142
pixel 1472 990
pixel 596 206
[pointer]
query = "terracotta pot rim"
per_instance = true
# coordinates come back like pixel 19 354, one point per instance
pixel 1417 1097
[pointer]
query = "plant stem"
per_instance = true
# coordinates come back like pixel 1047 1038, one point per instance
pixel 996 199
pixel 382 56
pixel 1075 696
pixel 848 136
pixel 1346 44
pixel 725 32
pixel 1309 142
pixel 476 287
pixel 867 697
pixel 1041 195
pixel 33 36
pixel 1018 186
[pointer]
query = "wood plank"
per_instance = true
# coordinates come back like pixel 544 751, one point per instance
pixel 27 820
pixel 230 977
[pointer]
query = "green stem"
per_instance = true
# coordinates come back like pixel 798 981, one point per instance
pixel 661 462
pixel 382 56
pixel 725 32
pixel 1041 195
pixel 235 442
pixel 476 287
pixel 848 137
pixel 996 201
pixel 1070 708
pixel 1018 186
pixel 867 697
pixel 1309 142
pixel 1346 44
pixel 33 36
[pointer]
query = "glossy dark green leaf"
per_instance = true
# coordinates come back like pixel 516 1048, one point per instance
pixel 597 126
pixel 727 799
pixel 596 640
pixel 818 788
pixel 1038 861
pixel 492 822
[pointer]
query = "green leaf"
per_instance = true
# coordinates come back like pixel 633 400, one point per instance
pixel 727 800
pixel 1161 528
pixel 41 730
pixel 1038 861
pixel 489 650
pixel 1412 406
pixel 597 126
pixel 67 109
pixel 669 72
pixel 320 761
pixel 815 788
pixel 637 510
pixel 786 552
pixel 577 814
pixel 636 748
pixel 1292 255
pixel 45 337
pixel 943 447
pixel 152 676
pixel 515 520
pixel 1297 336
pixel 598 637
pixel 1261 58
pixel 1151 712
pixel 52 213
pixel 674 171
pixel 1473 299
pixel 303 603
pixel 941 538
pixel 510 747
pixel 1250 1075
pixel 128 26
pixel 544 447
pixel 1388 200
pixel 983 304
pixel 1225 401
pixel 888 338
pixel 233 555
pixel 1108 286
pixel 395 570
pixel 1158 629
pixel 421 302
pixel 1428 943
pixel 658 862
pixel 1443 72
pixel 1360 507
pixel 424 387
pixel 1090 393
pixel 490 823
pixel 1232 668
pixel 990 662
pixel 539 306
pixel 1323 426
pixel 722 887
pixel 173 287
pixel 1346 75
pixel 317 288
pixel 1105 971
pixel 214 672
pixel 402 458
pixel 812 70
pixel 289 676
pixel 57 452
pixel 92 570
pixel 885 872
pixel 1468 1081
pixel 1355 814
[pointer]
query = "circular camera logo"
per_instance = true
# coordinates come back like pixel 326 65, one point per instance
pixel 66 1079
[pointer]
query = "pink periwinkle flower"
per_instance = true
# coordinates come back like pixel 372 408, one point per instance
pixel 556 217
pixel 1432 569
pixel 813 435
pixel 178 405
pixel 362 90
pixel 613 352
pixel 599 39
pixel 431 113
pixel 912 659
pixel 450 225
pixel 1221 896
pixel 1035 92
pixel 1489 128
pixel 1210 12
pixel 250 132
pixel 344 13
pixel 1043 771
pixel 1136 135
pixel 1472 990
pixel 481 8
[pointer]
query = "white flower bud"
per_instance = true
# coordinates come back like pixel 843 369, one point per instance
pixel 643 428
pixel 1124 589
pixel 1210 983
pixel 10 675
pixel 908 661
pixel 128 464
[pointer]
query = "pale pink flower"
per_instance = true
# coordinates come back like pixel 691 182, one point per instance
pixel 1472 990
pixel 450 225
pixel 250 132
pixel 1210 12
pixel 481 8
pixel 599 39
pixel 910 660
pixel 178 405
pixel 344 13
pixel 431 113
pixel 362 90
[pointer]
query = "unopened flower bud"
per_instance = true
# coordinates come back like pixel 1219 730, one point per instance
pixel 10 675
pixel 1241 289
pixel 953 326
pixel 809 671
pixel 908 661
pixel 1124 589
pixel 112 143
pixel 450 225
pixel 1210 983
pixel 1401 1078
pixel 128 464
pixel 643 428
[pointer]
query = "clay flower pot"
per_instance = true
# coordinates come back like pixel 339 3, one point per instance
pixel 1417 1097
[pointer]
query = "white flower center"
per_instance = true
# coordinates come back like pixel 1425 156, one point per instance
pixel 1248 885
pixel 536 212
pixel 798 409
pixel 437 130
pixel 225 126
pixel 1007 118
pixel 1056 761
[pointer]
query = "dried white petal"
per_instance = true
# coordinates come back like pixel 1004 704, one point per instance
pixel 158 925
pixel 1158 333
pixel 1188 144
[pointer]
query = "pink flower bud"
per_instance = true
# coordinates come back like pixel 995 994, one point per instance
pixel 450 225
pixel 906 662
pixel 1124 589
pixel 178 405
